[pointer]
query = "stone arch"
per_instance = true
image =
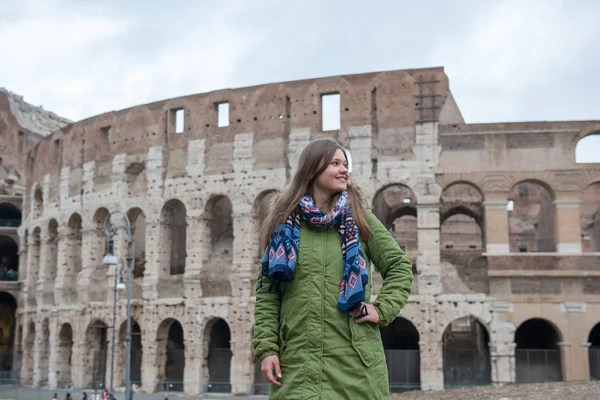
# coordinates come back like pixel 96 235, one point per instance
pixel 29 345
pixel 219 219
pixel 44 354
pixel 401 346
pixel 590 218
pixel 51 251
pixel 10 215
pixel 64 354
pixel 260 211
pixel 95 358
pixel 170 354
pixel 137 218
pixel 465 344
pixel 37 202
pixel 537 355
pixel 173 235
pixel 8 308
pixel 461 216
pixel 531 217
pixel 9 258
pixel 217 347
pixel 594 352
pixel 136 354
pixel 584 149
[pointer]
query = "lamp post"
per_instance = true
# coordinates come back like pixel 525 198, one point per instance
pixel 110 259
pixel 117 285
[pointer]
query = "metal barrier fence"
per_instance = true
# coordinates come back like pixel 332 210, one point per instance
pixel 467 367
pixel 404 370
pixel 538 365
pixel 594 356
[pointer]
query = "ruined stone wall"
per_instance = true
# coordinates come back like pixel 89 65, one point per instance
pixel 198 197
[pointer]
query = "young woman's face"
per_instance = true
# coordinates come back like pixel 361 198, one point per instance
pixel 335 178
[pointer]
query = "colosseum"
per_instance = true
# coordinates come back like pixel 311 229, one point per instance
pixel 501 221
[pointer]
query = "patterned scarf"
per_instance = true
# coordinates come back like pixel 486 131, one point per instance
pixel 279 261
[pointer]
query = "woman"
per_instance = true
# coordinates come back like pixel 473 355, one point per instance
pixel 315 332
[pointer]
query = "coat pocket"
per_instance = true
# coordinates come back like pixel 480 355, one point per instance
pixel 361 342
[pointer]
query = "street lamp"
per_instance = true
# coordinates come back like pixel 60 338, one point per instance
pixel 111 230
pixel 118 285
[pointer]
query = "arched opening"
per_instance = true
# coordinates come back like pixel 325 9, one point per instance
pixel 531 218
pixel 260 211
pixel 170 355
pixel 173 237
pixel 136 353
pixel 466 353
pixel 10 215
pixel 29 356
pixel 38 203
pixel 537 355
pixel 586 150
pixel 9 259
pixel 218 216
pixel 594 353
pixel 402 355
pixel 52 251
pixel 461 217
pixel 44 363
pixel 138 243
pixel 97 272
pixel 219 357
pixel 8 307
pixel 590 218
pixel 63 356
pixel 395 207
pixel 95 357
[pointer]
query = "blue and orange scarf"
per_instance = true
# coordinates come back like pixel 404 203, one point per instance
pixel 279 261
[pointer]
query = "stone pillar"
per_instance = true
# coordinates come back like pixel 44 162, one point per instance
pixel 432 362
pixel 242 361
pixel 153 259
pixel 37 355
pixel 53 358
pixel 78 357
pixel 566 366
pixel 429 260
pixel 62 265
pixel 192 374
pixel 28 355
pixel 496 224
pixel 568 224
pixel 243 251
pixel 149 343
pixel 502 358
pixel 90 245
pixel 585 362
pixel 194 249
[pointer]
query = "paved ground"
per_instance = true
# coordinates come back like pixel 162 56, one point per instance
pixel 541 391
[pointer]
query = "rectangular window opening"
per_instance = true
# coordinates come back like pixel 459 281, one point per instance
pixel 223 114
pixel 179 120
pixel 330 116
pixel 105 130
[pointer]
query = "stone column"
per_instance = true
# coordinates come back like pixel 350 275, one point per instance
pixel 78 356
pixel 149 367
pixel 243 250
pixel 62 265
pixel 28 355
pixel 502 358
pixel 567 371
pixel 53 359
pixel 242 365
pixel 568 223
pixel 496 224
pixel 194 249
pixel 429 259
pixel 153 259
pixel 585 362
pixel 44 266
pixel 432 362
pixel 90 244
pixel 192 374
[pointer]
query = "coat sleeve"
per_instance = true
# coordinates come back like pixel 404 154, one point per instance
pixel 266 319
pixel 395 268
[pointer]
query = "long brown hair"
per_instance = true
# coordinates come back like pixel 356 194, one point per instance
pixel 313 161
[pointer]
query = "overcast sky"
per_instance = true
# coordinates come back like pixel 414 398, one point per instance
pixel 522 60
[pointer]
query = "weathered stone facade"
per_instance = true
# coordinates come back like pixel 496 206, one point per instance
pixel 196 193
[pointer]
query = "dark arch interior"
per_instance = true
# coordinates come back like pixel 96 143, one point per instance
pixel 536 334
pixel 9 259
pixel 175 356
pixel 594 338
pixel 594 353
pixel 8 306
pixel 466 354
pixel 136 350
pixel 400 335
pixel 10 215
pixel 219 358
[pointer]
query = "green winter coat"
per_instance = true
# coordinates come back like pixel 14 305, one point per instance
pixel 323 353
